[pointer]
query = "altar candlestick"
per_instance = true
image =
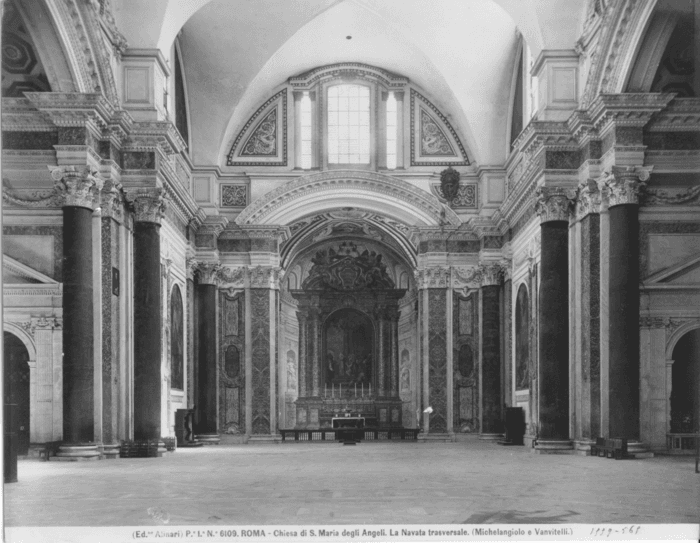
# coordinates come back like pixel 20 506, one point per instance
pixel 363 389
pixel 341 390
pixel 325 390
pixel 355 390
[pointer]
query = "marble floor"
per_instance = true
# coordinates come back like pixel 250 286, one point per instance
pixel 371 483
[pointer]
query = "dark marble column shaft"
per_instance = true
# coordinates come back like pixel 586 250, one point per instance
pixel 78 327
pixel 148 321
pixel 623 300
pixel 553 375
pixel 206 322
pixel 491 360
pixel 590 326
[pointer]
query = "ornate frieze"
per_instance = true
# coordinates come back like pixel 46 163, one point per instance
pixel 657 197
pixel 625 183
pixel 80 186
pixel 264 277
pixel 588 198
pixel 148 204
pixel 669 323
pixel 231 277
pixel 434 277
pixel 41 323
pixel 466 196
pixel 553 203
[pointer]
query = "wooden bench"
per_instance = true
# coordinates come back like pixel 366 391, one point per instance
pixel 610 448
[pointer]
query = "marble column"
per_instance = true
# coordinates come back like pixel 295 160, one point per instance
pixel 80 186
pixel 587 426
pixel 148 207
pixel 490 394
pixel 205 295
pixel 623 189
pixel 553 207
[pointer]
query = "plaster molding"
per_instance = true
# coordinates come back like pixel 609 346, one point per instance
pixel 588 199
pixel 389 189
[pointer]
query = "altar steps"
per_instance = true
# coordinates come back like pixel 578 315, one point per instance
pixel 338 434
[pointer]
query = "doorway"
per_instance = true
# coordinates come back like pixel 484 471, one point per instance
pixel 16 359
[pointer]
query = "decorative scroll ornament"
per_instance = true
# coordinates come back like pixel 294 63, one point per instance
pixel 625 183
pixel 33 199
pixel 463 276
pixel 80 186
pixel 346 269
pixel 263 140
pixel 588 198
pixel 553 203
pixel 491 274
pixel 207 272
pixel 449 183
pixel 148 204
pixel 433 139
pixel 232 277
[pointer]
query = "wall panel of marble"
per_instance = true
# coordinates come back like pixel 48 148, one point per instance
pixel 289 374
pixel 231 363
pixel 465 325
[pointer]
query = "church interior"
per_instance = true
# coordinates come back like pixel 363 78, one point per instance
pixel 239 222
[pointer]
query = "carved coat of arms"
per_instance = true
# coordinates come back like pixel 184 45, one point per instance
pixel 449 183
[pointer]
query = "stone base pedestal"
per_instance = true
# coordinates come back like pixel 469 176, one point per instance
pixel 529 441
pixel 111 452
pixel 639 450
pixel 553 446
pixel 77 453
pixel 583 447
pixel 258 439
pixel 444 438
pixel 208 439
pixel 490 437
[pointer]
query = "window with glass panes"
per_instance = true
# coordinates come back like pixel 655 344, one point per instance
pixel 391 125
pixel 348 124
pixel 306 131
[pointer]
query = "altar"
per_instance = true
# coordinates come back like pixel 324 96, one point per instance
pixel 348 341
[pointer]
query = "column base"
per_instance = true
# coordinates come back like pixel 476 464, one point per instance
pixel 257 439
pixel 208 439
pixel 77 453
pixel 638 450
pixel 111 452
pixel 582 447
pixel 553 446
pixel 490 437
pixel 444 438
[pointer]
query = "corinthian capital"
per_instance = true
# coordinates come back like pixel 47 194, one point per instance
pixel 588 199
pixel 207 272
pixel 148 204
pixel 491 274
pixel 80 185
pixel 625 183
pixel 553 203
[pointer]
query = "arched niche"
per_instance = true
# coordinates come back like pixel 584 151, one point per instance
pixel 522 339
pixel 17 387
pixel 685 383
